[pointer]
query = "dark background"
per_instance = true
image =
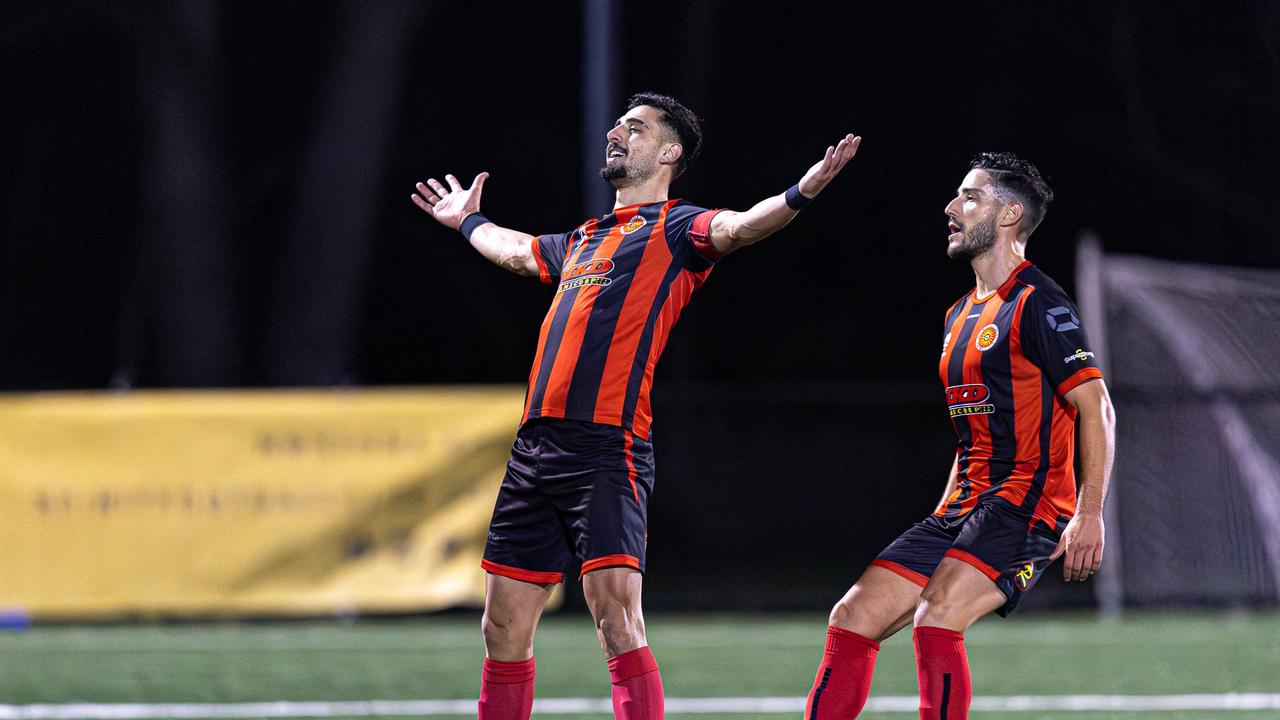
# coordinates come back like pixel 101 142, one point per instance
pixel 204 194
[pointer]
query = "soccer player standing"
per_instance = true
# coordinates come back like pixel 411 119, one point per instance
pixel 1018 375
pixel 581 468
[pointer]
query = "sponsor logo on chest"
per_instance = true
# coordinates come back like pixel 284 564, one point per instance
pixel 971 399
pixel 588 272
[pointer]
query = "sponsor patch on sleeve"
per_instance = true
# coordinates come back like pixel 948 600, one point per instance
pixel 1079 354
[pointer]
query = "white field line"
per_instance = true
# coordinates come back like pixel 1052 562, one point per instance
pixel 599 706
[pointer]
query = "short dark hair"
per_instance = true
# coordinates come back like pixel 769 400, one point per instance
pixel 677 119
pixel 1017 180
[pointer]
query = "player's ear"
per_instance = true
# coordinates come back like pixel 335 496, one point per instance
pixel 1011 215
pixel 671 154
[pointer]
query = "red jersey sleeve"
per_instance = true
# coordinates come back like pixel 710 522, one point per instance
pixel 689 235
pixel 549 252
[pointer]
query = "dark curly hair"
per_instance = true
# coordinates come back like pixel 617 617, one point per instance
pixel 677 120
pixel 1017 180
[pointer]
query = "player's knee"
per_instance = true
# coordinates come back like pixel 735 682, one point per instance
pixel 938 606
pixel 864 613
pixel 843 615
pixel 505 639
pixel 620 625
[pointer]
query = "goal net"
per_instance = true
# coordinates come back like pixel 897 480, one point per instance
pixel 1192 356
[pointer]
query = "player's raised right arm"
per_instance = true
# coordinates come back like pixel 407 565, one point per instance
pixel 459 209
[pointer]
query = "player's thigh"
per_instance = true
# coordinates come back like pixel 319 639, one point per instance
pixel 884 599
pixel 878 605
pixel 958 594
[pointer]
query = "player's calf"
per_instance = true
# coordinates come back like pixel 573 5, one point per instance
pixel 506 690
pixel 877 606
pixel 958 594
pixel 942 668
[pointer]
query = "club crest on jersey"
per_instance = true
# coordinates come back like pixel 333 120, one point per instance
pixel 987 337
pixel 1024 577
pixel 633 225
pixel 589 272
pixel 969 400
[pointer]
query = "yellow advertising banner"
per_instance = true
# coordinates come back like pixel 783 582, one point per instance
pixel 248 503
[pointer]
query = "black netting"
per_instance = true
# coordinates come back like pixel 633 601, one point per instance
pixel 1194 355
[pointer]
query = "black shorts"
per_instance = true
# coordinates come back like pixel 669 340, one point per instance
pixel 996 537
pixel 572 490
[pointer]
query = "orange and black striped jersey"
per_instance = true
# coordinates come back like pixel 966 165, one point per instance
pixel 1008 361
pixel 622 281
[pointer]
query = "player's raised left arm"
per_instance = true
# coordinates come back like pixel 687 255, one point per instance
pixel 731 230
pixel 1083 539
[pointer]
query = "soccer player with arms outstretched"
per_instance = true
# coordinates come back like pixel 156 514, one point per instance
pixel 581 468
pixel 1018 375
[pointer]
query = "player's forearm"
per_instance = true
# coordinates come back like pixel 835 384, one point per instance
pixel 733 230
pixel 508 249
pixel 1097 446
pixel 751 226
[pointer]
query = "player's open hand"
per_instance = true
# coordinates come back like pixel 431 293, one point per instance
pixel 450 206
pixel 826 169
pixel 1082 544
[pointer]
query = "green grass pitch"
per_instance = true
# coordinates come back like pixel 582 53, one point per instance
pixel 438 657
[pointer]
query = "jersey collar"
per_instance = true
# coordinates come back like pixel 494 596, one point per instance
pixel 1005 287
pixel 625 208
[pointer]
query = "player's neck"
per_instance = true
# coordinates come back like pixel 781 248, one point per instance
pixel 992 268
pixel 654 189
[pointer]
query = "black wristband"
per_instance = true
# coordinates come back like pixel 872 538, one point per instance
pixel 470 223
pixel 795 200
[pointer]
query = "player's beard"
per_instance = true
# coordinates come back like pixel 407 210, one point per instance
pixel 626 173
pixel 975 242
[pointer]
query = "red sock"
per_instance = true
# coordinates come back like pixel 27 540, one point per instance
pixel 506 690
pixel 637 685
pixel 943 668
pixel 844 677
